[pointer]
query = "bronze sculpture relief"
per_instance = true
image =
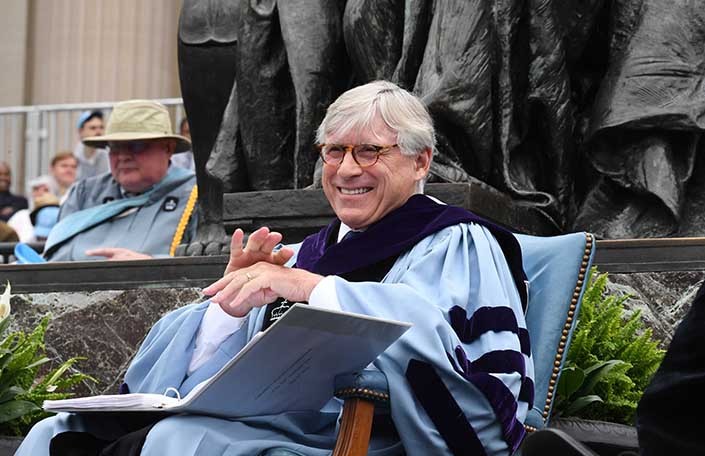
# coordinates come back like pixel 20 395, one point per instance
pixel 589 111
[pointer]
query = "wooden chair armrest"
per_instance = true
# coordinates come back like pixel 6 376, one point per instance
pixel 361 392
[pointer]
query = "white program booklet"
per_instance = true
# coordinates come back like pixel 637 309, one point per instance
pixel 291 366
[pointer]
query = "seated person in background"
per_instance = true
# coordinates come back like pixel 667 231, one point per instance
pixel 44 216
pixel 39 186
pixel 21 221
pixel 141 208
pixel 7 233
pixel 666 421
pixel 9 203
pixel 91 161
pixel 34 225
pixel 62 174
pixel 460 379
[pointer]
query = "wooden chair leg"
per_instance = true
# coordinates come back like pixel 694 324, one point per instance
pixel 355 429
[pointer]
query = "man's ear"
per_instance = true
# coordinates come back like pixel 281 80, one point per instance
pixel 423 162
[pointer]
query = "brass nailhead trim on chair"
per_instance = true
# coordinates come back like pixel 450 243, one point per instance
pixel 363 393
pixel 566 329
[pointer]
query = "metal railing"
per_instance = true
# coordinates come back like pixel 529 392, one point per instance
pixel 31 135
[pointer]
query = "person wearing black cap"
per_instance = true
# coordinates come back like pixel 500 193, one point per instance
pixel 91 161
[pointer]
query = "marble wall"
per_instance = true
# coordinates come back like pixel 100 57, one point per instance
pixel 663 297
pixel 105 327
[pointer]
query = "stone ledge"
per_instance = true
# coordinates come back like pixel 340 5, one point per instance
pixel 651 255
pixel 181 272
pixel 623 256
pixel 297 213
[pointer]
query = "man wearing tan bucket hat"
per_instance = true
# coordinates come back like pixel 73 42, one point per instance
pixel 140 209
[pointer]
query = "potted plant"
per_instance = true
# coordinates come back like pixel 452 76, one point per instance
pixel 610 362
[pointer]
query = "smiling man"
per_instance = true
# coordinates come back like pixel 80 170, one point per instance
pixel 460 379
pixel 140 209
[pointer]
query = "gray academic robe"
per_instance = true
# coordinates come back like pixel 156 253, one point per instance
pixel 149 228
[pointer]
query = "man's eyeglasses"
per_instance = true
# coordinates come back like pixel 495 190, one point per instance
pixel 134 147
pixel 364 154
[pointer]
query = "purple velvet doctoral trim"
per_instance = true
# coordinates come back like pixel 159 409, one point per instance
pixel 525 341
pixel 494 362
pixel 499 362
pixel 504 406
pixel 396 233
pixel 526 393
pixel 464 364
pixel 443 409
pixel 484 319
pixel 498 395
pixel 487 319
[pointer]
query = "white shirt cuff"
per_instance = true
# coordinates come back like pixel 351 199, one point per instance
pixel 324 295
pixel 216 326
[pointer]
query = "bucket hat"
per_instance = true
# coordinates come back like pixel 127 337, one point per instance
pixel 137 120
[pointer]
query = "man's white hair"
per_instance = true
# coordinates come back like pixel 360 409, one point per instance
pixel 402 112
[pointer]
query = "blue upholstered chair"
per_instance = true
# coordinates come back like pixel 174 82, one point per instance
pixel 557 269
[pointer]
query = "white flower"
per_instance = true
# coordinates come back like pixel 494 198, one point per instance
pixel 5 302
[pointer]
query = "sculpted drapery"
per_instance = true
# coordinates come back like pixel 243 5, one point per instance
pixel 586 110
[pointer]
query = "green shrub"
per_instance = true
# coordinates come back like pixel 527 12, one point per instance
pixel 610 361
pixel 21 392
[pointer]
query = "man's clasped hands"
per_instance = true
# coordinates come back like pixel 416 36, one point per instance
pixel 256 275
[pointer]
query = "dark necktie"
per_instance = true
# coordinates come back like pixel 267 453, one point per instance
pixel 351 235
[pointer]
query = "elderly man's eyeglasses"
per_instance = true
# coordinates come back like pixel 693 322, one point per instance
pixel 364 154
pixel 134 147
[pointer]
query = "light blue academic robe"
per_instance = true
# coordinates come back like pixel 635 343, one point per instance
pixel 460 268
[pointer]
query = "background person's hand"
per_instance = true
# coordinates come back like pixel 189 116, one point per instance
pixel 240 291
pixel 260 247
pixel 117 254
